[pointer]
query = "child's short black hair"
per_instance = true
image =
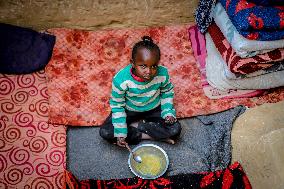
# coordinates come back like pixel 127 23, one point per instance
pixel 147 42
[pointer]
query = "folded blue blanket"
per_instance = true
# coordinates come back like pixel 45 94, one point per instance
pixel 255 21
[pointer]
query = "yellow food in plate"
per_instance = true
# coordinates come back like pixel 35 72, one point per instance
pixel 150 165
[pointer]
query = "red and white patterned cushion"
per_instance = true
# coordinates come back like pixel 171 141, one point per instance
pixel 32 151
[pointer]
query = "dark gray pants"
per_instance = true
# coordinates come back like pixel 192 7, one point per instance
pixel 153 125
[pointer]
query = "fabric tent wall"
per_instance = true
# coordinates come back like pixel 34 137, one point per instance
pixel 257 141
pixel 94 14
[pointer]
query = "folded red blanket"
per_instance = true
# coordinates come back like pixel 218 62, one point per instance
pixel 232 177
pixel 243 65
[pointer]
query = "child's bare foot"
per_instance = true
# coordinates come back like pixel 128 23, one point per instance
pixel 134 124
pixel 170 141
pixel 147 137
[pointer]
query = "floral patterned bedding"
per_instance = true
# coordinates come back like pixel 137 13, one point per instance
pixel 84 62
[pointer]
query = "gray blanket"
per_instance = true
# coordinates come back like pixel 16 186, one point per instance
pixel 204 146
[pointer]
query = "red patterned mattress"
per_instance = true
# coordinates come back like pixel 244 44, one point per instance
pixel 84 62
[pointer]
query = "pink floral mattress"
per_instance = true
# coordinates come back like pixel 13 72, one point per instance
pixel 32 151
pixel 84 62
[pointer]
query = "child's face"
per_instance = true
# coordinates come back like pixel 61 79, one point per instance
pixel 146 64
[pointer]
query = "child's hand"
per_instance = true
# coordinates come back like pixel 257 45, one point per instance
pixel 121 141
pixel 170 119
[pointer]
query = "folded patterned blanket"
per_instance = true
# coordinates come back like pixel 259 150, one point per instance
pixel 198 44
pixel 235 63
pixel 255 21
pixel 216 70
pixel 231 177
pixel 243 47
pixel 271 69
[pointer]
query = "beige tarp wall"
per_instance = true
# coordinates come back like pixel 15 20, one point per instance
pixel 258 144
pixel 88 14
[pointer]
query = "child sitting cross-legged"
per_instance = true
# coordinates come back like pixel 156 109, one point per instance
pixel 142 100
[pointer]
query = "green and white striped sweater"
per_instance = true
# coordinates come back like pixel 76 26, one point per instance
pixel 127 93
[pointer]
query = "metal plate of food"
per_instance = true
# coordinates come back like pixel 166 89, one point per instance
pixel 154 163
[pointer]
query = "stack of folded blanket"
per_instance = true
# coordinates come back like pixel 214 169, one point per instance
pixel 244 46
